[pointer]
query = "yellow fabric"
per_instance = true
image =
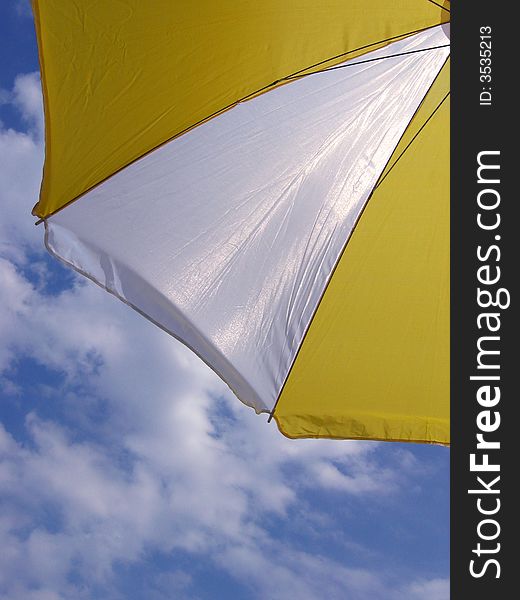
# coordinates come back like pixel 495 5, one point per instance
pixel 375 361
pixel 122 77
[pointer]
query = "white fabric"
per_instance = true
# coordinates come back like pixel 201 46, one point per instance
pixel 226 237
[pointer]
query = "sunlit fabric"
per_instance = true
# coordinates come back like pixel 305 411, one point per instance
pixel 298 241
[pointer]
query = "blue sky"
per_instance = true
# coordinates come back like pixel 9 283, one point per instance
pixel 128 470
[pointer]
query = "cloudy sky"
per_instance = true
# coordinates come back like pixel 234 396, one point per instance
pixel 129 471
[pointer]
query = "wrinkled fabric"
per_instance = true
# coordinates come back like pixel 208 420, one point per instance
pixel 227 236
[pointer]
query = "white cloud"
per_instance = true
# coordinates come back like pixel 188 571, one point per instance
pixel 26 96
pixel 21 160
pixel 148 450
pixel 434 589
